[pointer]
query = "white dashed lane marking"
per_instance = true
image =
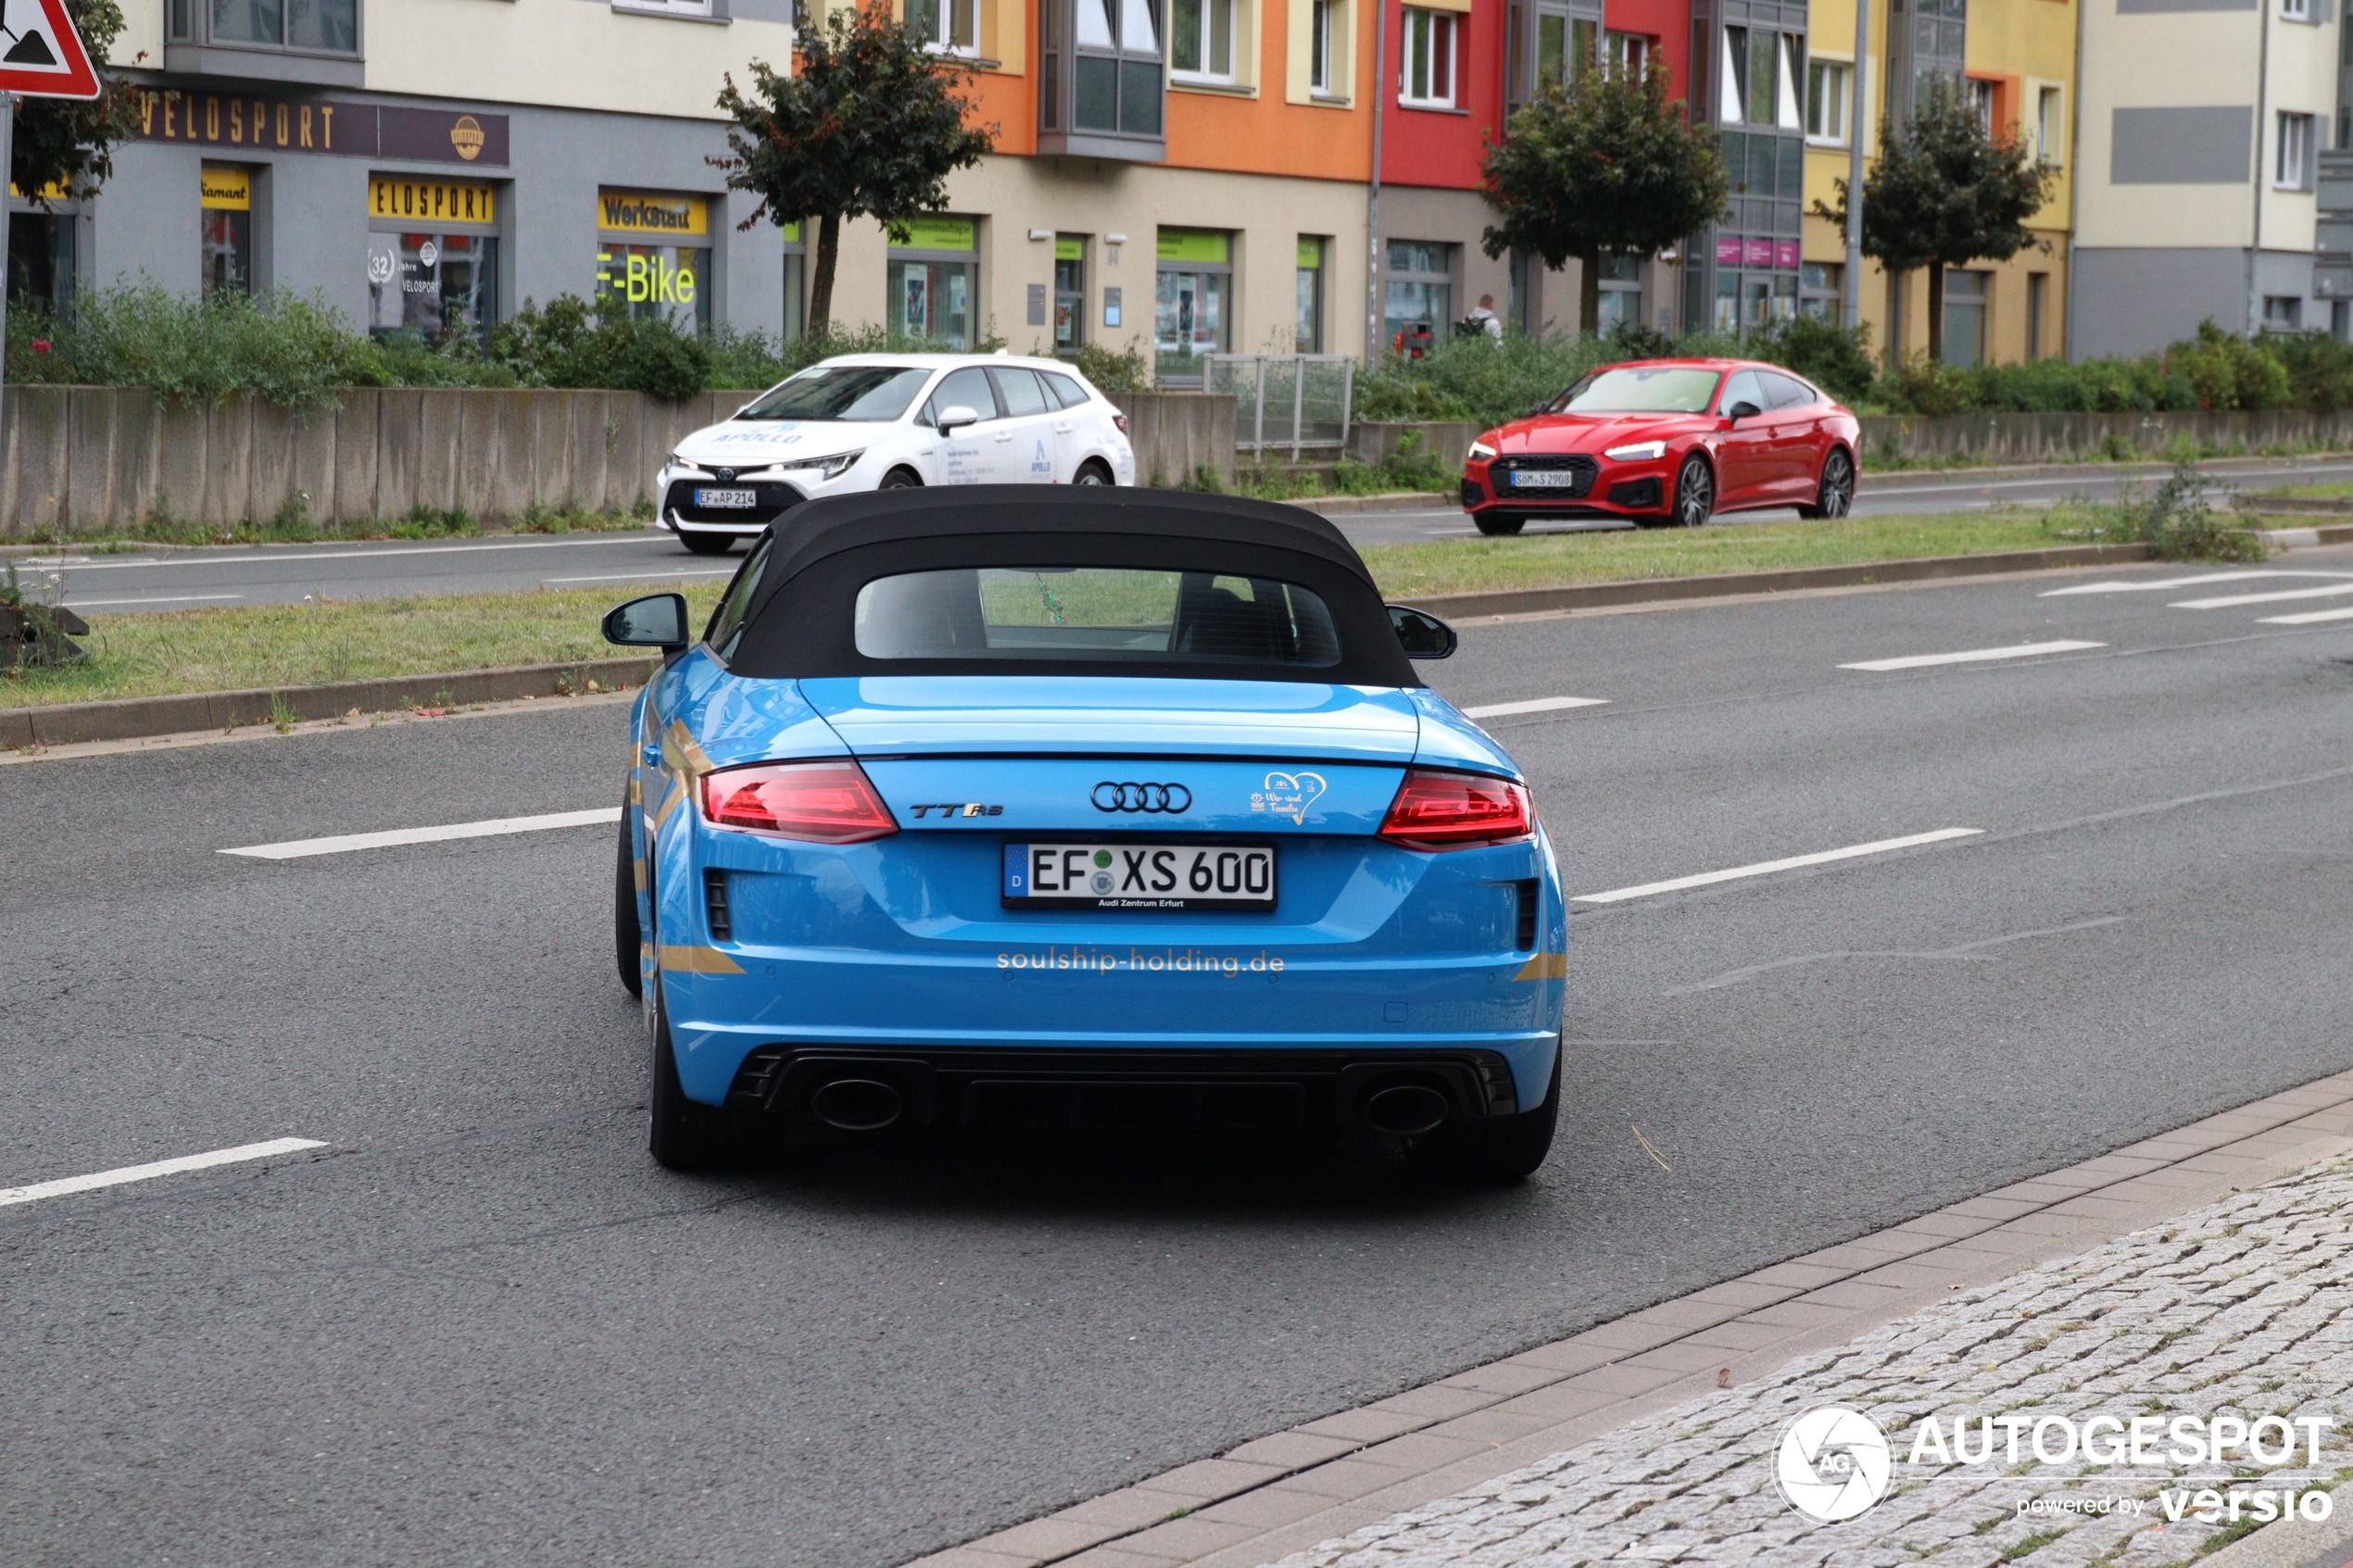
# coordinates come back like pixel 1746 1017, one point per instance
pixel 648 575
pixel 2171 582
pixel 2233 601
pixel 1533 705
pixel 123 1175
pixel 2310 618
pixel 1972 655
pixel 1766 868
pixel 172 599
pixel 296 850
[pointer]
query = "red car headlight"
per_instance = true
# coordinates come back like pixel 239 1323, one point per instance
pixel 1435 810
pixel 831 802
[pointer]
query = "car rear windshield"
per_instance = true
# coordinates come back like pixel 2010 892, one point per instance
pixel 1637 389
pixel 863 393
pixel 1095 614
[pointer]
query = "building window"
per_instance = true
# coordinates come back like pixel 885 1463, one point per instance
pixel 1567 47
pixel 1964 317
pixel 1826 100
pixel 1980 103
pixel 945 25
pixel 1307 323
pixel 1426 78
pixel 41 257
pixel 433 257
pixel 1761 73
pixel 1319 45
pixel 2038 293
pixel 318 27
pixel 2296 10
pixel 1822 290
pixel 2050 125
pixel 1621 304
pixel 226 198
pixel 796 280
pixel 933 279
pixel 653 258
pixel 2294 170
pixel 2341 320
pixel 1190 315
pixel 1417 302
pixel 1627 54
pixel 1117 87
pixel 2282 313
pixel 1200 40
pixel 1070 293
pixel 2345 121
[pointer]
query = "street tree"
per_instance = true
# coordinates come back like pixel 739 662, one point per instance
pixel 870 124
pixel 65 145
pixel 1947 190
pixel 1604 162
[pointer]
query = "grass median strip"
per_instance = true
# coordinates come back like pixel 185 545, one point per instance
pixel 241 647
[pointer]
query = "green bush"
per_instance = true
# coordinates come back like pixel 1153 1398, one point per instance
pixel 2320 369
pixel 1114 374
pixel 569 343
pixel 290 350
pixel 2228 371
pixel 2177 523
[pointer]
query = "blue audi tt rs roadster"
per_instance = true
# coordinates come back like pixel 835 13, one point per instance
pixel 998 807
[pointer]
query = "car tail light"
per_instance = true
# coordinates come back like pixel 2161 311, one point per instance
pixel 1436 811
pixel 823 802
pixel 1121 420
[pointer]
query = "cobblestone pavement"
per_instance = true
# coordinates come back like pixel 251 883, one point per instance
pixel 2235 1309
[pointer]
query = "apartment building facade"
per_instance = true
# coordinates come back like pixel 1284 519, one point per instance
pixel 2201 133
pixel 2015 60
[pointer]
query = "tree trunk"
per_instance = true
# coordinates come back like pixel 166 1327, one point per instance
pixel 820 285
pixel 1589 293
pixel 1936 313
pixel 1893 348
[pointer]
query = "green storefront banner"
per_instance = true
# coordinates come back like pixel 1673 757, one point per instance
pixel 935 233
pixel 1311 254
pixel 1196 244
pixel 1068 249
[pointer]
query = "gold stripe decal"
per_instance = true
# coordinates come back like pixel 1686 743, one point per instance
pixel 698 960
pixel 1544 966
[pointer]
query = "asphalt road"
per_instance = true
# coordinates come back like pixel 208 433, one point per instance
pixel 161 580
pixel 480 1326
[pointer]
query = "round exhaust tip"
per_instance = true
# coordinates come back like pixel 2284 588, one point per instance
pixel 856 1105
pixel 1406 1110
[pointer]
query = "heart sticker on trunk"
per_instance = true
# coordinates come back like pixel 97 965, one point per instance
pixel 1289 795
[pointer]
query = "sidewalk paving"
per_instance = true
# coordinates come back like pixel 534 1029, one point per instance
pixel 2237 1308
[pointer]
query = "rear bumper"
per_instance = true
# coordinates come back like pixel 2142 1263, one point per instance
pixel 1171 1089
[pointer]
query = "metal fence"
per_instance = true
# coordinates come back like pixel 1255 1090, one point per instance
pixel 1297 401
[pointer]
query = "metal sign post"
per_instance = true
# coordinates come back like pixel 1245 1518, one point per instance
pixel 8 170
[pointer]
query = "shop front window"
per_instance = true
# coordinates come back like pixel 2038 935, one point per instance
pixel 225 194
pixel 1621 303
pixel 438 286
pixel 1307 331
pixel 1190 299
pixel 933 283
pixel 41 261
pixel 795 282
pixel 1417 301
pixel 653 258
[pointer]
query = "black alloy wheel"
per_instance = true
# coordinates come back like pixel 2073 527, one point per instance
pixel 1496 525
pixel 1091 472
pixel 902 479
pixel 1694 492
pixel 707 543
pixel 1836 496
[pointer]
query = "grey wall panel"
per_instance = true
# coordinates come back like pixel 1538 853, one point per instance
pixel 317 230
pixel 146 224
pixel 2135 302
pixel 2127 8
pixel 2203 145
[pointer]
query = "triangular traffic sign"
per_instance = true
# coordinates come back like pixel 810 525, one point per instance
pixel 40 55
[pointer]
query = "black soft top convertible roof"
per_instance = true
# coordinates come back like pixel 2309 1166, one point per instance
pixel 798 620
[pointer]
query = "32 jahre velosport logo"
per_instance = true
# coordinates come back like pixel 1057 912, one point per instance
pixel 1833 1464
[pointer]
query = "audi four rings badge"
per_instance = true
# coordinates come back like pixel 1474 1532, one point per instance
pixel 1289 795
pixel 1152 798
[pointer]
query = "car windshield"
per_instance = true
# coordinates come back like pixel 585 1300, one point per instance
pixel 1637 389
pixel 1094 612
pixel 865 393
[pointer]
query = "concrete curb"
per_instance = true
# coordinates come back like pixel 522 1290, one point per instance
pixel 1595 595
pixel 1326 1479
pixel 139 717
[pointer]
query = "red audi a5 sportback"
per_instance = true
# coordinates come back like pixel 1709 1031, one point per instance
pixel 1662 441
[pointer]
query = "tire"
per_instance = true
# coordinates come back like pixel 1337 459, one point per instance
pixel 1092 472
pixel 902 479
pixel 627 935
pixel 1498 527
pixel 1835 497
pixel 707 543
pixel 1511 1148
pixel 1694 492
pixel 686 1135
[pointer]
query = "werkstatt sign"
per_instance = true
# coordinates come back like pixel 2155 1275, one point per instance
pixel 321 125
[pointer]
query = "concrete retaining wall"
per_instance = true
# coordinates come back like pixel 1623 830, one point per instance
pixel 1447 440
pixel 2051 438
pixel 92 459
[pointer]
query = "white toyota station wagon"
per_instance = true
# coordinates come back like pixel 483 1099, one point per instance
pixel 887 421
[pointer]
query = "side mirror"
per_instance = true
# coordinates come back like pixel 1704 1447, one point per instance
pixel 958 414
pixel 1422 635
pixel 658 621
pixel 1739 412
